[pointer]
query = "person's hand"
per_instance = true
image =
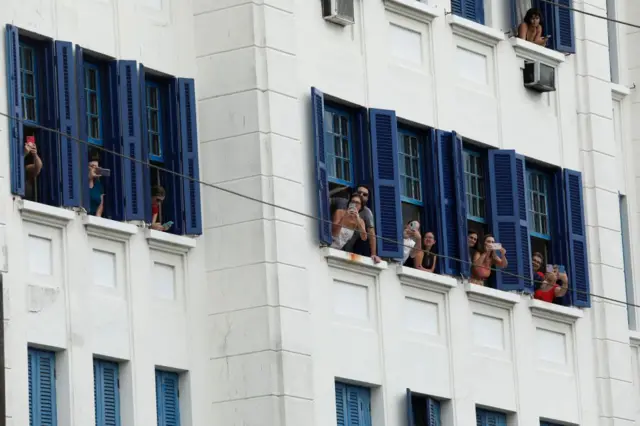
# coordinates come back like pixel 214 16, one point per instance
pixel 157 227
pixel 502 251
pixel 376 259
pixel 26 149
pixel 353 213
pixel 563 276
pixel 34 150
pixel 415 234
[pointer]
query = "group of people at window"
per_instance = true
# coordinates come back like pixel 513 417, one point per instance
pixel 34 164
pixel 353 231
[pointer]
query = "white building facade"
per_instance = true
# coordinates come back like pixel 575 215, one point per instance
pixel 240 314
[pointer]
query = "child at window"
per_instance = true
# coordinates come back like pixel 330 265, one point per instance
pixel 485 258
pixel 531 28
pixel 157 197
pixel 96 191
pixel 549 288
pixel 32 168
pixel 347 221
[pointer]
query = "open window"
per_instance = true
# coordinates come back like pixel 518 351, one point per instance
pixel 556 20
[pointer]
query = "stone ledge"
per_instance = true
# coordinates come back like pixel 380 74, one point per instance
pixel 425 280
pixel 491 296
pixel 44 214
pixel 619 91
pixel 634 338
pixel 169 242
pixel 546 310
pixel 345 260
pixel 107 228
pixel 474 31
pixel 413 9
pixel 532 52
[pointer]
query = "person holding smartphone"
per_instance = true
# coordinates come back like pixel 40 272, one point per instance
pixel 32 168
pixel 549 288
pixel 412 246
pixel 157 198
pixel 96 190
pixel 485 258
pixel 346 222
pixel 531 28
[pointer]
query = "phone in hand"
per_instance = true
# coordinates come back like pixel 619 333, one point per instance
pixel 496 246
pixel 31 140
pixel 167 225
pixel 561 269
pixel 414 225
pixel 352 208
pixel 549 268
pixel 103 172
pixel 547 36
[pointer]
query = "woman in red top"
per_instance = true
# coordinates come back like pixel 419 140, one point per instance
pixel 548 290
pixel 157 197
pixel 484 258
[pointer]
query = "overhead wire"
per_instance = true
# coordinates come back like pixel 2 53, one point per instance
pixel 287 209
pixel 595 15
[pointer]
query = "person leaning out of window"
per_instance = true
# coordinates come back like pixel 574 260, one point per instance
pixel 537 263
pixel 549 289
pixel 531 28
pixel 346 222
pixel 157 198
pixel 412 246
pixel 96 190
pixel 485 258
pixel 32 168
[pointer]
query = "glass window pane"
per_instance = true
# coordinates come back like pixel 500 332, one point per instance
pixel 328 121
pixel 415 172
pixel 337 146
pixel 94 130
pixel 347 170
pixel 346 152
pixel 336 123
pixel 417 193
pixel 345 126
pixel 93 104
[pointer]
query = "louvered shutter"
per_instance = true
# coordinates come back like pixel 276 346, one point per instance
pixel 190 165
pixel 107 395
pixel 67 124
pixel 451 202
pixel 42 388
pixel 144 148
pixel 469 9
pixel 563 26
pixel 525 241
pixel 82 129
pixel 386 182
pixel 167 402
pixel 576 230
pixel 174 199
pixel 49 182
pixel 16 140
pixel 456 7
pixel 433 412
pixel 505 216
pixel 410 419
pixel 129 100
pixel 558 218
pixel 341 404
pixel 353 406
pixel 364 402
pixel 322 182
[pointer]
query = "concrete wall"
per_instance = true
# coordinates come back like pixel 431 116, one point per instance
pixel 84 286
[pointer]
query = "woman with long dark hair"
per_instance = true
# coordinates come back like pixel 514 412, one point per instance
pixel 485 258
pixel 531 27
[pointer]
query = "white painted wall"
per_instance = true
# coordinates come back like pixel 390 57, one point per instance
pixel 103 289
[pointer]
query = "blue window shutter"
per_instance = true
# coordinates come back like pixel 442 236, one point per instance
pixel 559 240
pixel 42 388
pixel 174 200
pixel 525 241
pixel 563 34
pixel 67 124
pixel 364 407
pixel 362 160
pixel 190 165
pixel 386 182
pixel 113 140
pixel 106 393
pixel 456 7
pixel 324 212
pixel 15 111
pixel 576 230
pixel 410 419
pixel 146 171
pixel 129 99
pixel 49 189
pixel 353 406
pixel 167 402
pixel 341 404
pixel 82 129
pixel 461 205
pixel 473 10
pixel 433 412
pixel 450 202
pixel 505 216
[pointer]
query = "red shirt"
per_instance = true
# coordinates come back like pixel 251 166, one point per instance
pixel 155 208
pixel 546 295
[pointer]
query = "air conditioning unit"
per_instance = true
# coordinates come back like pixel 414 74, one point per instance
pixel 339 12
pixel 539 77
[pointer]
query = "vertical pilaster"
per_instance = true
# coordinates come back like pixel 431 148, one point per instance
pixel 260 357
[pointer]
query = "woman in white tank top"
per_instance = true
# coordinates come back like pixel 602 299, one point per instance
pixel 345 222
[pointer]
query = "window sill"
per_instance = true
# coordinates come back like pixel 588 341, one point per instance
pixel 619 91
pixel 634 338
pixel 169 242
pixel 44 214
pixel 491 296
pixel 558 313
pixel 532 52
pixel 425 280
pixel 474 31
pixel 413 9
pixel 345 260
pixel 107 228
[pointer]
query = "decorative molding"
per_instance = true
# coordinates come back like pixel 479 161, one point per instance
pixel 169 242
pixel 425 280
pixel 474 31
pixel 491 296
pixel 550 311
pixel 107 228
pixel 533 52
pixel 619 91
pixel 634 338
pixel 45 215
pixel 353 262
pixel 413 9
